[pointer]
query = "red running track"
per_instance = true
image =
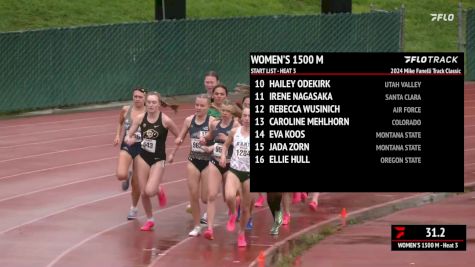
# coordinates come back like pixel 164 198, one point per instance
pixel 61 204
pixel 59 194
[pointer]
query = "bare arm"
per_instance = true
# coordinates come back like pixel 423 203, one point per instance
pixel 120 125
pixel 236 124
pixel 226 145
pixel 209 136
pixel 184 130
pixel 171 126
pixel 168 123
pixel 130 138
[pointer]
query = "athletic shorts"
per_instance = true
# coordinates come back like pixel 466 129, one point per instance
pixel 199 163
pixel 150 158
pixel 221 169
pixel 243 176
pixel 133 150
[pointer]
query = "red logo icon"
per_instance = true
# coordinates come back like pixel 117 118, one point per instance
pixel 400 230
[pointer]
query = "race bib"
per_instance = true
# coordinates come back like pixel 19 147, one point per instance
pixel 218 148
pixel 242 153
pixel 149 145
pixel 138 137
pixel 196 146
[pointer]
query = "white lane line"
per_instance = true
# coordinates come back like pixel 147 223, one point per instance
pixel 56 187
pixel 184 241
pixel 67 251
pixel 77 206
pixel 55 152
pixel 72 164
pixel 58 130
pixel 112 134
pixel 55 121
pixel 58 140
pixel 71 183
pixel 82 119
pixel 57 167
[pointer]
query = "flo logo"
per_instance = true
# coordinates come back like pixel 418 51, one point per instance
pixel 400 231
pixel 442 17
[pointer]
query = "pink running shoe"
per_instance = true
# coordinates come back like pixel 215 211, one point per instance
pixel 313 205
pixel 304 196
pixel 148 226
pixel 242 240
pixel 162 198
pixel 231 223
pixel 259 202
pixel 286 219
pixel 296 198
pixel 208 234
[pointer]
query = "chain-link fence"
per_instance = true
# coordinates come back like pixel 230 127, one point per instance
pixel 470 46
pixel 63 67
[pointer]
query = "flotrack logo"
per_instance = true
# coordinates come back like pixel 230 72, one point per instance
pixel 442 17
pixel 430 59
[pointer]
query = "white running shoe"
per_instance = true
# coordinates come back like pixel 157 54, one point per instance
pixel 196 231
pixel 132 214
pixel 204 219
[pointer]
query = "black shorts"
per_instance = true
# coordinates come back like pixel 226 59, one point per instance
pixel 199 163
pixel 133 150
pixel 150 158
pixel 242 176
pixel 221 169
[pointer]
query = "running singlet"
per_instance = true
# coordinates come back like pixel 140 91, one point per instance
pixel 219 137
pixel 214 112
pixel 196 131
pixel 241 160
pixel 154 136
pixel 128 123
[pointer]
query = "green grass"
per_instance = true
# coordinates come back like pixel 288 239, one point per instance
pixel 421 34
pixel 304 243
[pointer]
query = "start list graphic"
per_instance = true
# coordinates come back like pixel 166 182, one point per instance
pixel 357 122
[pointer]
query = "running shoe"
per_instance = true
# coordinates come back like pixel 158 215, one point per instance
pixel 296 198
pixel 196 231
pixel 162 198
pixel 132 214
pixel 304 196
pixel 204 218
pixel 313 205
pixel 231 223
pixel 241 240
pixel 249 224
pixel 126 183
pixel 259 202
pixel 277 223
pixel 286 219
pixel 208 234
pixel 148 226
